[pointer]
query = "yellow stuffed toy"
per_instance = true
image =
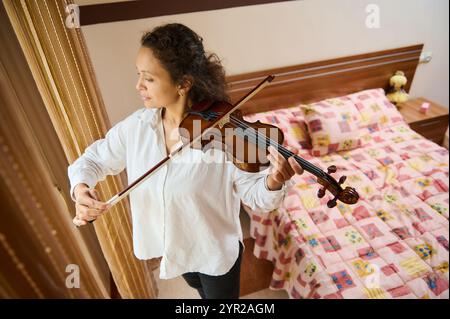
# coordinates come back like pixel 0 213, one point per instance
pixel 397 94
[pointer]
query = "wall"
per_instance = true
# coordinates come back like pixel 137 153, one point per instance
pixel 280 34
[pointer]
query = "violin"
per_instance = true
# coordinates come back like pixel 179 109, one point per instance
pixel 246 142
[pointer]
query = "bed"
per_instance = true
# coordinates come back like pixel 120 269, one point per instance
pixel 394 242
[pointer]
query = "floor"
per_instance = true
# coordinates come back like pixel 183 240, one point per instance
pixel 177 288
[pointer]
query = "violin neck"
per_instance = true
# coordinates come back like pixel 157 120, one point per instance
pixel 307 166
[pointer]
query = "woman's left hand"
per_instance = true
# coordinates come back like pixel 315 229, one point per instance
pixel 282 169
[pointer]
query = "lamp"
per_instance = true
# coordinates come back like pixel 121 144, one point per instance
pixel 397 93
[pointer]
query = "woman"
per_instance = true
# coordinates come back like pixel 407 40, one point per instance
pixel 188 212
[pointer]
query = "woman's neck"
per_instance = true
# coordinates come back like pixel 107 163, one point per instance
pixel 174 114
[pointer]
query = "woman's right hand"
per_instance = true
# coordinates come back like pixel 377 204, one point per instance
pixel 87 205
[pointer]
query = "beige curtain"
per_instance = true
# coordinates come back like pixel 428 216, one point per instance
pixel 37 242
pixel 34 182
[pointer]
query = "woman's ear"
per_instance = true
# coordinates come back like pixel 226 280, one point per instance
pixel 186 83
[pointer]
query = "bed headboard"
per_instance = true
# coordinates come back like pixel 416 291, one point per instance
pixel 311 82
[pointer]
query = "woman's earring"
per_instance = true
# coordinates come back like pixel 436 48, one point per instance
pixel 181 93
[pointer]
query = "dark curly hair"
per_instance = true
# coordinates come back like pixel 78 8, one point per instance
pixel 180 50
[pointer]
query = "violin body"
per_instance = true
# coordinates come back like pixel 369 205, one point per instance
pixel 236 137
pixel 249 156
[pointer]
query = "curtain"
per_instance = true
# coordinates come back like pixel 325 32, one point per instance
pixel 46 124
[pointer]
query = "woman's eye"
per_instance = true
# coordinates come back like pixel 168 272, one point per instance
pixel 148 80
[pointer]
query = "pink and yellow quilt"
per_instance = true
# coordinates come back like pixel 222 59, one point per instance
pixel 392 244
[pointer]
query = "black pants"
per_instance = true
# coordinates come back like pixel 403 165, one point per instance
pixel 217 287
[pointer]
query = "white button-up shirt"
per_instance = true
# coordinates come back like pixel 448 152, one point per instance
pixel 188 211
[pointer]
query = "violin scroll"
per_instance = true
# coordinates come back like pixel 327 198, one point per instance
pixel 348 195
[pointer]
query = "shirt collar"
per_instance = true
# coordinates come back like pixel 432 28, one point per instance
pixel 151 116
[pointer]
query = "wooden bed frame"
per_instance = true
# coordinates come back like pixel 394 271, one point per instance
pixel 312 82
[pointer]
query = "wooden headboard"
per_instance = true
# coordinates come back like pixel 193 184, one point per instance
pixel 312 82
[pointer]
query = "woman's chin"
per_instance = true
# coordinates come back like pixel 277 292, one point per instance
pixel 150 105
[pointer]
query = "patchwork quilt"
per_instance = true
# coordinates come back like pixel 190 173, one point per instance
pixel 393 243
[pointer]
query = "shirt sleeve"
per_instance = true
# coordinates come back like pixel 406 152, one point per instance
pixel 253 191
pixel 104 157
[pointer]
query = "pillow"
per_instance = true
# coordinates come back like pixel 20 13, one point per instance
pixel 377 112
pixel 290 121
pixel 333 125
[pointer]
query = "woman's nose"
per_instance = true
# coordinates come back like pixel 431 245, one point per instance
pixel 139 85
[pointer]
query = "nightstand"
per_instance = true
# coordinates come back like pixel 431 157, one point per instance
pixel 431 125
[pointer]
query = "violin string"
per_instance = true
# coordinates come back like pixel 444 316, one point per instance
pixel 255 135
pixel 286 153
pixel 262 136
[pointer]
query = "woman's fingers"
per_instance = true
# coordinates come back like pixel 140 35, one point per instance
pixel 89 210
pixel 281 164
pixel 92 203
pixel 283 169
pixel 86 217
pixel 87 213
pixel 277 176
pixel 295 166
pixel 78 222
pixel 89 207
pixel 292 149
pixel 94 194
